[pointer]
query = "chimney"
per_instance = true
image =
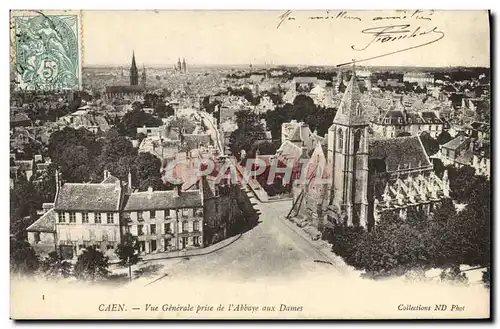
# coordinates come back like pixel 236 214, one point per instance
pixel 58 182
pixel 130 181
pixel 106 174
pixel 178 187
pixel 150 189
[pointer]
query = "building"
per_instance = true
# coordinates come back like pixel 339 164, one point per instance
pixel 88 215
pixel 467 151
pixel 300 134
pixel 397 120
pixel 134 90
pixel 423 79
pixel 99 214
pixel 165 220
pixel 359 178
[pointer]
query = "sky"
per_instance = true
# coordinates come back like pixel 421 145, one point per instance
pixel 159 38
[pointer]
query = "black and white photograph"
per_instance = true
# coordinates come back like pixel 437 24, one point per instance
pixel 250 164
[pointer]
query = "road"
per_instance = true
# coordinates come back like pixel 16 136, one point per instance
pixel 269 250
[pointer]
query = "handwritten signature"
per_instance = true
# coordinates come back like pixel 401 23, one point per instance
pixel 392 34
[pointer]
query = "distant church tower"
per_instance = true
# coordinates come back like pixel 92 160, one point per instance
pixel 134 73
pixel 348 156
pixel 184 68
pixel 179 65
pixel 143 80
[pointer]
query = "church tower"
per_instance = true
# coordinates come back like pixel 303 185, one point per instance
pixel 184 67
pixel 143 80
pixel 348 156
pixel 134 73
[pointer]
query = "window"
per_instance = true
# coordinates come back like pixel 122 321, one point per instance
pixel 142 246
pixel 153 245
pixel 36 236
pixel 72 217
pixel 196 226
pixel 184 242
pixel 357 140
pixel 168 244
pixel 85 217
pixel 341 140
pixel 152 214
pixel 196 241
pixel 199 212
pixel 166 213
pixel 110 247
pixel 140 229
pixel 60 215
pixel 97 217
pixel 184 226
pixel 168 228
pixel 185 212
pixel 139 215
pixel 109 218
pixel 153 228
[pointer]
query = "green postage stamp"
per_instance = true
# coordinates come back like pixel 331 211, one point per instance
pixel 45 50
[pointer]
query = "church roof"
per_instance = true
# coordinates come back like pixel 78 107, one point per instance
pixel 399 153
pixel 123 89
pixel 351 111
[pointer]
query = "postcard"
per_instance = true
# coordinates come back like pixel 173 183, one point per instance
pixel 273 164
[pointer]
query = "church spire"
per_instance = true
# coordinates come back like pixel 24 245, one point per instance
pixel 350 111
pixel 134 74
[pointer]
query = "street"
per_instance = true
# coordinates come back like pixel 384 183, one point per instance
pixel 269 250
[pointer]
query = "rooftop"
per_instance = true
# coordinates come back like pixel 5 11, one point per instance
pixel 87 196
pixel 399 153
pixel 151 200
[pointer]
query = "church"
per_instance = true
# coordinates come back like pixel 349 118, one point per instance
pixel 352 177
pixel 133 90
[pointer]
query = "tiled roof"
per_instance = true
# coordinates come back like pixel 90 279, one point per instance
pixel 162 200
pixel 456 142
pixel 401 152
pixel 46 223
pixel 91 197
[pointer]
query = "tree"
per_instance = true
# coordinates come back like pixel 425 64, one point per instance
pixel 140 137
pixel 91 265
pixel 148 172
pixel 250 130
pixel 135 119
pixel 23 259
pixel 430 144
pixel 444 137
pixel 54 266
pixel 128 252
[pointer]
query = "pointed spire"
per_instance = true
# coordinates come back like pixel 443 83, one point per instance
pixel 350 111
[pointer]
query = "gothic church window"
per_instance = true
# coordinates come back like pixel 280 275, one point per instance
pixel 341 139
pixel 357 140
